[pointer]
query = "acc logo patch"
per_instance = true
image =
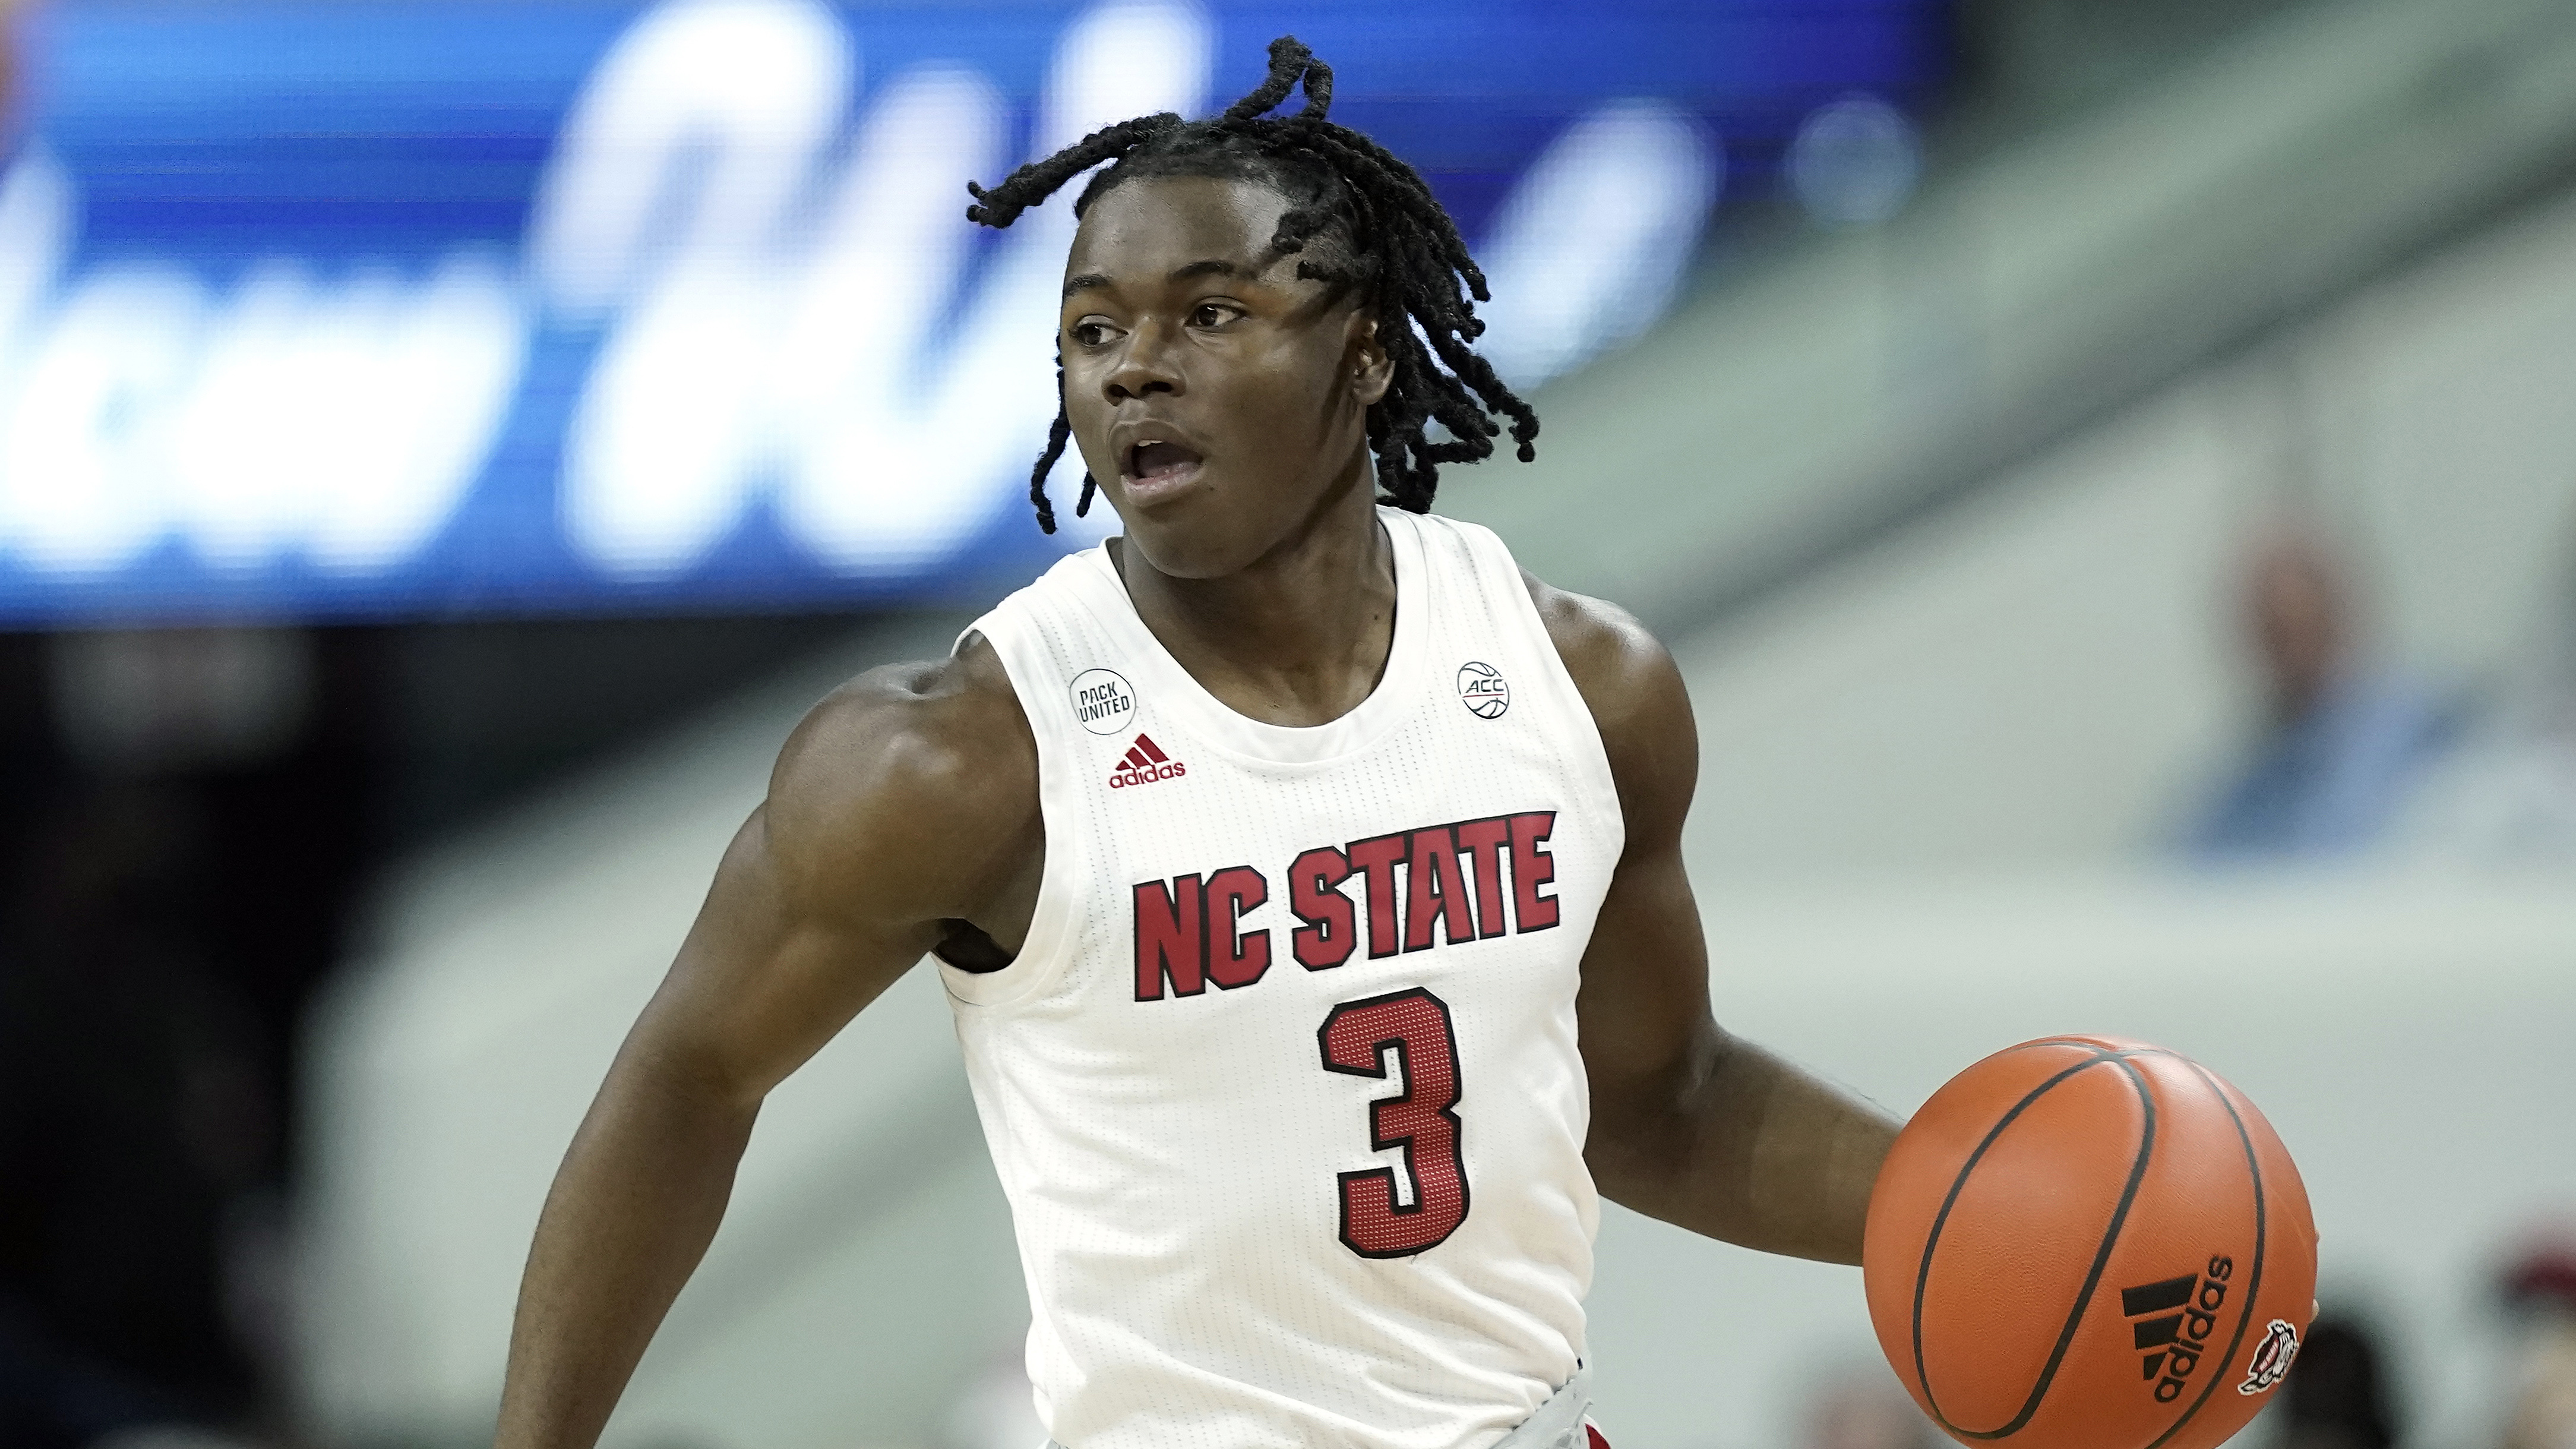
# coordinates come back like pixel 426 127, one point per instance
pixel 1103 701
pixel 1482 690
pixel 2271 1358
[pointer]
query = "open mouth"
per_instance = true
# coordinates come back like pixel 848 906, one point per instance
pixel 1155 465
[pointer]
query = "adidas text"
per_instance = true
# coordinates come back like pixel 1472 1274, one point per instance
pixel 2173 1322
pixel 1145 763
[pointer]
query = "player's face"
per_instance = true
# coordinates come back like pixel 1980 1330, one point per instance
pixel 1221 401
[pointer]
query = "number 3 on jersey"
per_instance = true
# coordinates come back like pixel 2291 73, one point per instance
pixel 1422 1120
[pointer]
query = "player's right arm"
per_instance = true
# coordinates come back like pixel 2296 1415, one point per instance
pixel 903 805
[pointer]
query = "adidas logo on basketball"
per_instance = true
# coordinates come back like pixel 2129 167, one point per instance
pixel 1143 764
pixel 2172 1322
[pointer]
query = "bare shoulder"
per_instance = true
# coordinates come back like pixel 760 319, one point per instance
pixel 1625 673
pixel 917 782
pixel 1628 679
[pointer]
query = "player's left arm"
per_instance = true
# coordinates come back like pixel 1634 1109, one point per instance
pixel 1690 1124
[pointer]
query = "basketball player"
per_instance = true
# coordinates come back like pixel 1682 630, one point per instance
pixel 1306 879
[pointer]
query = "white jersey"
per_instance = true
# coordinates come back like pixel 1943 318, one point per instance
pixel 1283 1085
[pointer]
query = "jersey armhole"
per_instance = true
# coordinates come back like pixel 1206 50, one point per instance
pixel 1493 556
pixel 1053 924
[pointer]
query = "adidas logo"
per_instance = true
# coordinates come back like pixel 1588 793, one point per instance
pixel 1143 764
pixel 2171 1321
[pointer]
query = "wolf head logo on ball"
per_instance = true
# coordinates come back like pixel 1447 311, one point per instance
pixel 2271 1358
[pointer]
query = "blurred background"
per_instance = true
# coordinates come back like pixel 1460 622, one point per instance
pixel 2107 469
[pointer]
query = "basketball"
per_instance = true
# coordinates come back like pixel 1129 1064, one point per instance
pixel 2089 1243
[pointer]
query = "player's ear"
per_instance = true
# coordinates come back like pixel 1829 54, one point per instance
pixel 1371 370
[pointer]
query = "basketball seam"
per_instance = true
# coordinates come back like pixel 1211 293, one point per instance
pixel 2102 1255
pixel 2101 1258
pixel 1932 1239
pixel 2253 1280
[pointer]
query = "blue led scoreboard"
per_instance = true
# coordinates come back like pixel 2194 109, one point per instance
pixel 431 308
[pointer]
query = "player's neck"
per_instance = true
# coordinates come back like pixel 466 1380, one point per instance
pixel 1298 638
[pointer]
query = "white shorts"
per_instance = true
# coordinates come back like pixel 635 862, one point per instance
pixel 1560 1423
pixel 1563 1422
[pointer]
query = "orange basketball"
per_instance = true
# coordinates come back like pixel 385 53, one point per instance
pixel 2089 1243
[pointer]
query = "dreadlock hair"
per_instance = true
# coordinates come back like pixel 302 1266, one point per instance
pixel 1364 223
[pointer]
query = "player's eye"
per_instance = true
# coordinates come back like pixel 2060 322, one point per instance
pixel 1090 332
pixel 1213 314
